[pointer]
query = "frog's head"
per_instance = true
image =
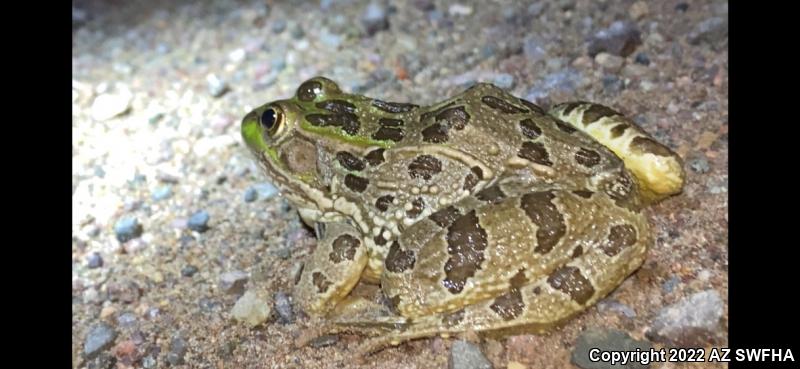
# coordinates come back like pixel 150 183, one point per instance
pixel 296 139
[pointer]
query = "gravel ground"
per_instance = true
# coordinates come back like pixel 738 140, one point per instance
pixel 172 222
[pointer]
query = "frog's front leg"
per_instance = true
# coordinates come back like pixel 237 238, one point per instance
pixel 332 270
pixel 510 262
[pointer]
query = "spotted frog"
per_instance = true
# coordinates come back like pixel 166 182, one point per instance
pixel 483 212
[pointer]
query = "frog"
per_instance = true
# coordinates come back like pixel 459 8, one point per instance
pixel 483 212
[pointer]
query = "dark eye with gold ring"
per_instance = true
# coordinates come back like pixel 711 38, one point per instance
pixel 268 119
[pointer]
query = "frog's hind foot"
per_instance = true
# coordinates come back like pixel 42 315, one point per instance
pixel 657 168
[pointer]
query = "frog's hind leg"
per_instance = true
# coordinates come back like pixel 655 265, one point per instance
pixel 658 169
pixel 602 245
pixel 332 270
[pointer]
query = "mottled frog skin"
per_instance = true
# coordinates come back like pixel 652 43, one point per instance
pixel 482 212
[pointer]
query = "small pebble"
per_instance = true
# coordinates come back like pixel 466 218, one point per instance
pixel 233 282
pixel 606 340
pixel 251 309
pixel 641 58
pixel 459 9
pixel 216 86
pixel 250 194
pixel 265 190
pixel 188 270
pixel 682 7
pixel 149 362
pixel 100 337
pixel 127 229
pixel 638 10
pixel 323 341
pixel 670 284
pixel 536 9
pixel 612 83
pixel 107 106
pixel 533 48
pixel 329 39
pixel 161 193
pixel 608 61
pixel 621 38
pixel 296 31
pixel 94 260
pixel 699 165
pixel 198 222
pixel 711 31
pixel 692 321
pixel 284 308
pixel 375 18
pixel 277 63
pixel 123 291
pixel 465 355
pixel 616 307
pixel 207 305
pixel 424 5
pixel 102 361
pixel 237 55
pixel 177 350
pixel 504 81
pixel 126 319
pixel 278 26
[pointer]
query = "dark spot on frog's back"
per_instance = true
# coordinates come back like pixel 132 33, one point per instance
pixel 348 122
pixel 529 128
pixel 619 129
pixel 388 133
pixel 647 145
pixel 587 158
pixel 510 305
pixel 424 166
pixel 375 157
pixel 533 107
pixel 456 118
pixel 535 152
pixel 564 127
pixel 349 161
pixel 382 203
pixel 417 206
pixel 491 194
pixel 320 281
pixel 501 105
pixel 595 112
pixel 619 237
pixel 435 133
pixel 355 183
pixel 308 90
pixel 397 260
pixel 337 106
pixel 543 212
pixel 445 217
pixel 344 248
pixel 569 280
pixel 393 107
pixel 569 107
pixel 466 242
pixel 472 179
pixel 427 115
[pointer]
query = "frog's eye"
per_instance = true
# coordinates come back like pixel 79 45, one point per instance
pixel 270 120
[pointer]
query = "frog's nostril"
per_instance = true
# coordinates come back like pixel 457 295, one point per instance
pixel 267 118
